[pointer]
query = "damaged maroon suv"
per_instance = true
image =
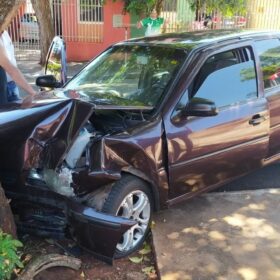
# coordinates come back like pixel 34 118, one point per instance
pixel 148 123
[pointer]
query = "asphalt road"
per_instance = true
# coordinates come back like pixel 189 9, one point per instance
pixel 265 178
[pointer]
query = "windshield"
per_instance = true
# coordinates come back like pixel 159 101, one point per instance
pixel 128 75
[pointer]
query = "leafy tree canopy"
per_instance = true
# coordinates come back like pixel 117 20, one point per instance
pixel 225 7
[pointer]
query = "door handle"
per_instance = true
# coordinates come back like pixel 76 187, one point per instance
pixel 257 119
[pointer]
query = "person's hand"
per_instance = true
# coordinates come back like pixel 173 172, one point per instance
pixel 42 94
pixel 73 94
pixel 27 101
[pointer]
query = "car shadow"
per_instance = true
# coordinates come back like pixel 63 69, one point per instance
pixel 265 178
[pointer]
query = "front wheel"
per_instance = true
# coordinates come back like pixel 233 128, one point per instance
pixel 131 198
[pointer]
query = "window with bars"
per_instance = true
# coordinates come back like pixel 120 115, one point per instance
pixel 90 10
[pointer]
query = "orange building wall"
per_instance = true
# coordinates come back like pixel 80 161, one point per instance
pixel 79 50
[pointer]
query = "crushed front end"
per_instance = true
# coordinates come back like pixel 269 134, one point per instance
pixel 64 161
pixel 40 151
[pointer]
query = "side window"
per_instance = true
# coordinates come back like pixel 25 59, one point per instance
pixel 226 78
pixel 269 53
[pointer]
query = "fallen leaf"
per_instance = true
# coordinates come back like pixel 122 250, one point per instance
pixel 146 250
pixel 149 269
pixel 136 259
pixel 146 259
pixel 27 258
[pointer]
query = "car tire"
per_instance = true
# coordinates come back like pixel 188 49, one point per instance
pixel 131 189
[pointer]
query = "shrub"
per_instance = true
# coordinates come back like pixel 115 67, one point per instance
pixel 9 257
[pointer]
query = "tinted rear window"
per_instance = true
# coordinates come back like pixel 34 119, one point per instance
pixel 269 53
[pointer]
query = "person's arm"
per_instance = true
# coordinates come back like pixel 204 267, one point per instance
pixel 144 22
pixel 139 24
pixel 14 72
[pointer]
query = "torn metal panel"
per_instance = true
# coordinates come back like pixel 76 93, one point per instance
pixel 57 133
pixel 128 150
pixel 47 213
pixel 46 132
pixel 97 232
pixel 86 181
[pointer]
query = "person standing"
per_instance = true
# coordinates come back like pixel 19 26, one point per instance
pixel 3 86
pixel 12 89
pixel 14 75
pixel 152 24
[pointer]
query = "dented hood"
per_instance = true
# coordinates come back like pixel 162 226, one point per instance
pixel 108 102
pixel 40 135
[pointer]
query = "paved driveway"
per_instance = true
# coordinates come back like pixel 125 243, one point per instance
pixel 223 236
pixel 208 212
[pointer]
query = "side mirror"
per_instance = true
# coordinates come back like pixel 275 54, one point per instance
pixel 56 60
pixel 47 81
pixel 201 107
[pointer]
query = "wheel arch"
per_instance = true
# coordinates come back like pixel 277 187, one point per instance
pixel 151 184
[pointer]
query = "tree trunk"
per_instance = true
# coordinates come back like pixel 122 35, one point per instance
pixel 8 9
pixel 158 7
pixel 43 13
pixel 7 223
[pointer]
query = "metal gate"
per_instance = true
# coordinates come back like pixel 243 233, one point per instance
pixel 260 14
pixel 24 31
pixel 83 20
pixel 183 17
pixel 78 20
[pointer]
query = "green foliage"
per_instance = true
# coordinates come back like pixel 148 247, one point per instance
pixel 9 258
pixel 138 7
pixel 225 7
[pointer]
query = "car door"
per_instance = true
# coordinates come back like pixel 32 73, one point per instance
pixel 269 55
pixel 206 151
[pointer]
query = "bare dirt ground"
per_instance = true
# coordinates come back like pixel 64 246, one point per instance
pixel 138 266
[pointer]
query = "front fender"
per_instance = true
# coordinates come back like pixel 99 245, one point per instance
pixel 138 151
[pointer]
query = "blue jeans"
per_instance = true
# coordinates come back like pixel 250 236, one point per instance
pixel 12 92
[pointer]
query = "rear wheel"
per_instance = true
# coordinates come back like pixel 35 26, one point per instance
pixel 131 198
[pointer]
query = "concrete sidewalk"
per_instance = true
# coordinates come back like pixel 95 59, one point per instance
pixel 223 236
